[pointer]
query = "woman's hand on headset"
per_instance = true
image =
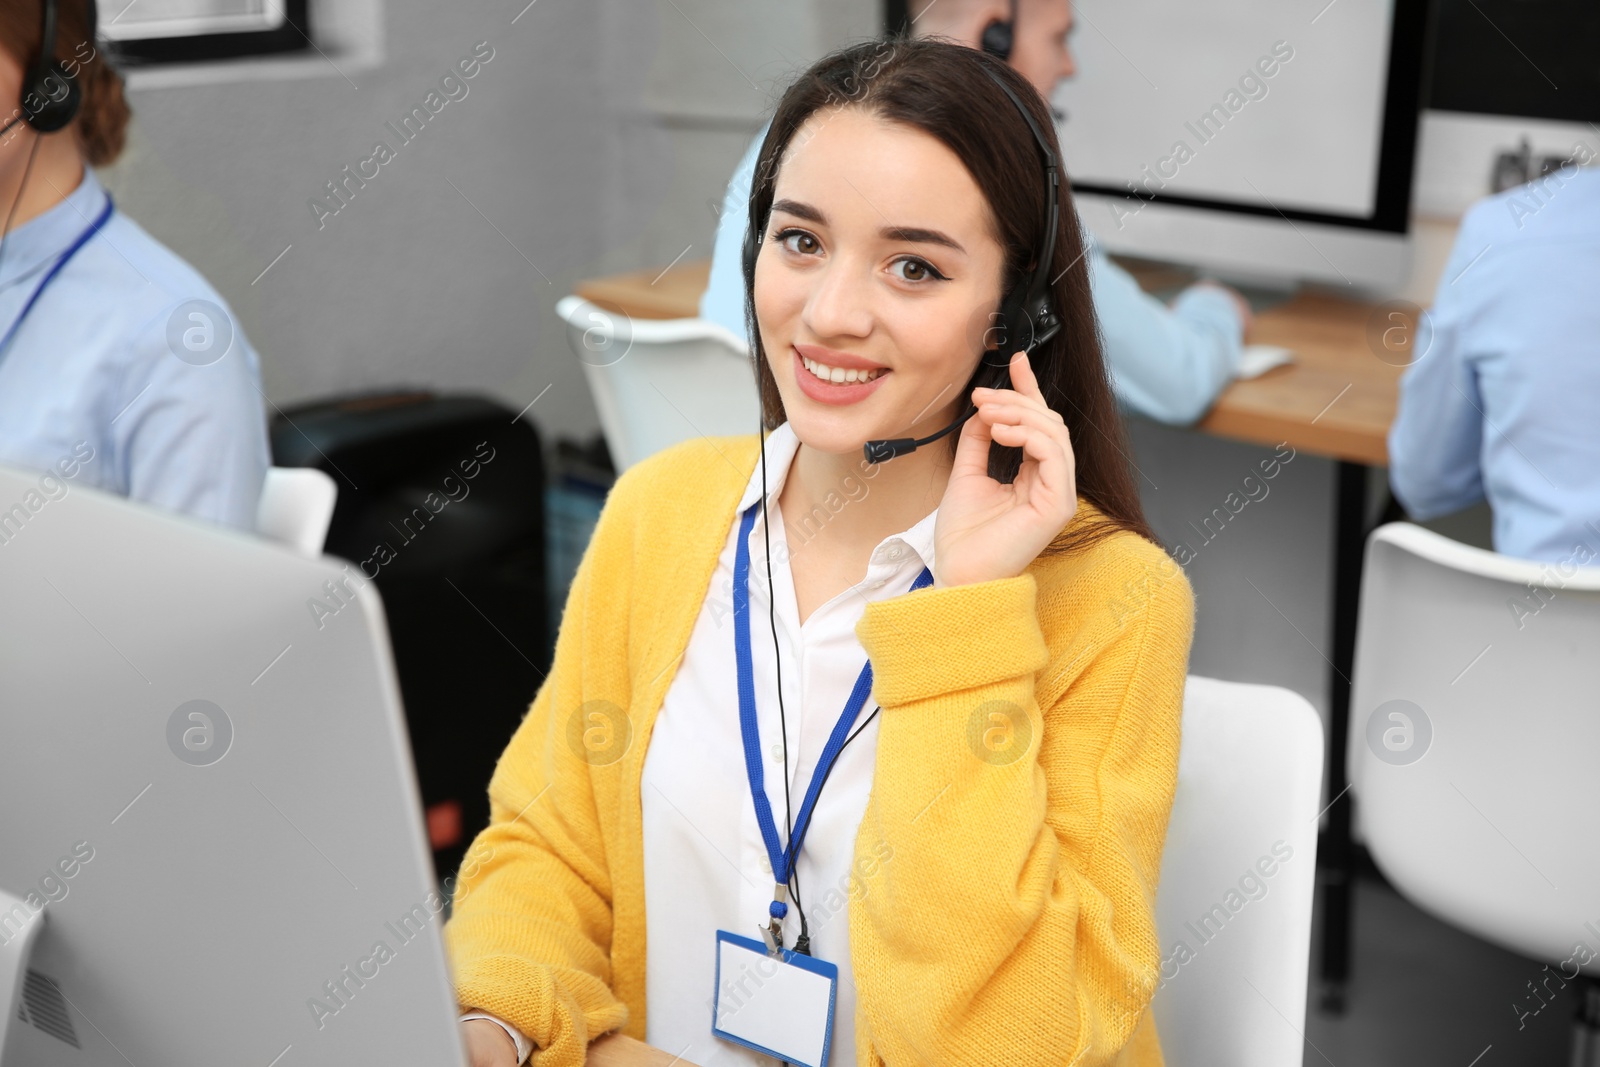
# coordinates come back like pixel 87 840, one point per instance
pixel 988 530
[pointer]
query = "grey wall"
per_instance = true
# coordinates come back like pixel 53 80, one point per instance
pixel 591 141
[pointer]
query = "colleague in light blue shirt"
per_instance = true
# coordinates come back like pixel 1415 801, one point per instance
pixel 1503 403
pixel 1166 363
pixel 120 367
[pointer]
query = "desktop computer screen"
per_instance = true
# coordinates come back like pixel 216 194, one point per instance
pixel 1513 57
pixel 1252 137
pixel 211 842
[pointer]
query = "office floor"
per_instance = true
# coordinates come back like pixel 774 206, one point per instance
pixel 1424 994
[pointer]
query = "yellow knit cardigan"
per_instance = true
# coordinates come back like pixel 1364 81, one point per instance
pixel 1026 763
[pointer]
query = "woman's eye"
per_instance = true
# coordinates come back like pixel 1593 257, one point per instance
pixel 800 242
pixel 915 270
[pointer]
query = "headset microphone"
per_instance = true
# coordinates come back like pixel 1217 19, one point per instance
pixel 879 451
pixel 1031 305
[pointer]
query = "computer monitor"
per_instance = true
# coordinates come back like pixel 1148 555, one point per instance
pixel 1510 57
pixel 207 798
pixel 1258 140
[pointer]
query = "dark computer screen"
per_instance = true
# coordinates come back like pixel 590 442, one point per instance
pixel 1533 58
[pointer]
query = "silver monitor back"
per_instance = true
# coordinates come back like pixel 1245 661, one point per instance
pixel 207 797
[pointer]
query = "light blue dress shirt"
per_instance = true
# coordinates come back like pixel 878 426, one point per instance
pixel 117 362
pixel 1168 364
pixel 1504 402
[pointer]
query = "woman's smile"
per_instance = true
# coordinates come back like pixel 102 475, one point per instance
pixel 832 377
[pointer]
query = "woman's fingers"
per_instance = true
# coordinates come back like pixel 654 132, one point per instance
pixel 972 447
pixel 1052 458
pixel 1039 433
pixel 1025 387
pixel 999 411
pixel 1015 402
pixel 1023 380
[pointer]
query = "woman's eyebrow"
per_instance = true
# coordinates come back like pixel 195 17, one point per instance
pixel 796 208
pixel 917 235
pixel 910 234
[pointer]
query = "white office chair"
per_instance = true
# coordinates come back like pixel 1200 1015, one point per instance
pixel 296 507
pixel 1249 786
pixel 660 381
pixel 1484 807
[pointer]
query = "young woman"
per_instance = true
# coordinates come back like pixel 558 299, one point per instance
pixel 120 367
pixel 981 860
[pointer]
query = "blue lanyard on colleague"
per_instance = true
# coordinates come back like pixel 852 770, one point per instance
pixel 72 250
pixel 783 858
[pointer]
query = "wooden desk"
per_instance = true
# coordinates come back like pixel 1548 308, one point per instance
pixel 1336 400
pixel 616 1050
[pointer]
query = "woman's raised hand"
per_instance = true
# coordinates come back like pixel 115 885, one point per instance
pixel 988 530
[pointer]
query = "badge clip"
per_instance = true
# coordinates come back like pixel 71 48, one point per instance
pixel 772 933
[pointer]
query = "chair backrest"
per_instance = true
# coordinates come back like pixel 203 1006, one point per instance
pixel 1237 877
pixel 660 381
pixel 296 507
pixel 1474 728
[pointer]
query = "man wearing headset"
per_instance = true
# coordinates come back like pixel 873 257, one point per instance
pixel 1168 364
pixel 120 367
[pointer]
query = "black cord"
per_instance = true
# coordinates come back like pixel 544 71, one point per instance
pixel 17 199
pixel 875 709
pixel 803 943
pixel 852 737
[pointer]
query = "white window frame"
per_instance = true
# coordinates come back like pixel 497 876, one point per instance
pixel 270 17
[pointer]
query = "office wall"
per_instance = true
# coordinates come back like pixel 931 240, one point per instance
pixel 590 142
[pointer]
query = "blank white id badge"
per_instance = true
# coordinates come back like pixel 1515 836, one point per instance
pixel 781 1008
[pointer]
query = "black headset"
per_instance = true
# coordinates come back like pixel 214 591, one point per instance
pixel 1030 306
pixel 1026 318
pixel 50 96
pixel 998 37
pixel 50 100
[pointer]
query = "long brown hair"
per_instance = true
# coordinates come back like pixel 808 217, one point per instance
pixel 101 125
pixel 945 90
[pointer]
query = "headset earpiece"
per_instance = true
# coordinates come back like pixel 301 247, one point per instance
pixel 752 247
pixel 50 96
pixel 1000 36
pixel 1026 318
pixel 51 101
pixel 996 40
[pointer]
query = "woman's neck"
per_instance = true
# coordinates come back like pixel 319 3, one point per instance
pixel 828 501
pixel 57 170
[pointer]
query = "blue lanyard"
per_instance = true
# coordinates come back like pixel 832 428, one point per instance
pixel 783 858
pixel 72 250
